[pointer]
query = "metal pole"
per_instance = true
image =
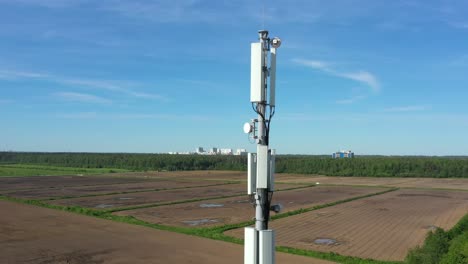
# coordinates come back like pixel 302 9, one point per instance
pixel 259 247
pixel 261 198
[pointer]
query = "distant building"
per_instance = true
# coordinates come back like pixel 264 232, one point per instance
pixel 213 151
pixel 241 152
pixel 225 151
pixel 343 154
pixel 199 150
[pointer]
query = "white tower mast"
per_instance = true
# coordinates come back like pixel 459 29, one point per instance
pixel 259 245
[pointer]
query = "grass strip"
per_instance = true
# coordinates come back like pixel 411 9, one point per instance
pixel 332 256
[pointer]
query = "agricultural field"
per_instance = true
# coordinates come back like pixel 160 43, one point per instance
pixel 358 218
pixel 217 212
pixel 381 227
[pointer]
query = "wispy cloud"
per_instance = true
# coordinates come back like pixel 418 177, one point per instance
pixel 11 75
pixel 364 77
pixel 113 86
pixel 81 97
pixel 351 100
pixel 410 108
pixel 132 116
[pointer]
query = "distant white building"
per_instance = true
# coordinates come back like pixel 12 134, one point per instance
pixel 241 152
pixel 225 151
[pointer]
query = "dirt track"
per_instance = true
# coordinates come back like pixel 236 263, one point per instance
pixel 36 235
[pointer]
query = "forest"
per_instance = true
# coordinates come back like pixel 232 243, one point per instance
pixel 367 166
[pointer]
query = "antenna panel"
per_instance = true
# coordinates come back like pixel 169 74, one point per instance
pixel 272 76
pixel 262 167
pixel 271 170
pixel 250 245
pixel 257 80
pixel 266 246
pixel 251 173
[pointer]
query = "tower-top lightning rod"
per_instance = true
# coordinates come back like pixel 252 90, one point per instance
pixel 259 245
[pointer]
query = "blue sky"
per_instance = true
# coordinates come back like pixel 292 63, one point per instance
pixel 377 77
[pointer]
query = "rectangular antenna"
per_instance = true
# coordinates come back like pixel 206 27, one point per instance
pixel 266 246
pixel 257 80
pixel 272 76
pixel 250 245
pixel 251 173
pixel 262 167
pixel 271 169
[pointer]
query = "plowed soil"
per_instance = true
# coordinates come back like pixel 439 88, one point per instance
pixel 430 183
pixel 381 227
pixel 16 183
pixel 103 189
pixel 34 235
pixel 130 199
pixel 235 210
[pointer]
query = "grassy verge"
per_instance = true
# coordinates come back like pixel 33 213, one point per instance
pixel 216 233
pixel 332 256
pixel 16 170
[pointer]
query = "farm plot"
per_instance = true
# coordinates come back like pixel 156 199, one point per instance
pixel 429 183
pixel 191 175
pixel 108 189
pixel 17 183
pixel 132 199
pixel 381 227
pixel 238 209
pixel 158 197
pixel 30 234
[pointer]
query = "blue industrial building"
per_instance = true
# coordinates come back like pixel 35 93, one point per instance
pixel 343 154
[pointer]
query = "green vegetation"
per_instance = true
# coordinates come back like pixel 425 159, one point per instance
pixel 333 256
pixel 441 247
pixel 216 233
pixel 40 170
pixel 372 166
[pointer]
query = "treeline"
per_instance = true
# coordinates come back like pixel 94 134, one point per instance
pixel 443 247
pixel 369 166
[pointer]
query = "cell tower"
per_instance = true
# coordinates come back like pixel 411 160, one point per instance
pixel 259 247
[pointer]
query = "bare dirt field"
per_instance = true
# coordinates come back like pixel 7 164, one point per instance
pixel 381 227
pixel 41 193
pixel 156 197
pixel 201 175
pixel 30 234
pixel 430 183
pixel 17 183
pixel 238 209
pixel 130 199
